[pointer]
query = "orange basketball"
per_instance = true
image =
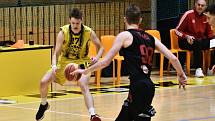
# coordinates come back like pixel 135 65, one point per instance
pixel 69 69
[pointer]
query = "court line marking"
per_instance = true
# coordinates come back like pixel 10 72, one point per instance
pixel 65 113
pixel 58 112
pixel 105 94
pixel 200 118
pixel 81 97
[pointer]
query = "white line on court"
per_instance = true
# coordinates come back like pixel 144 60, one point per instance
pixel 104 94
pixel 74 98
pixel 57 112
pixel 63 113
pixel 66 113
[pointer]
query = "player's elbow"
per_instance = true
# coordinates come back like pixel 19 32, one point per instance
pixel 173 59
pixel 105 63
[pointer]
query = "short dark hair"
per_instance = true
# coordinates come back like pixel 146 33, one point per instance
pixel 76 13
pixel 133 14
pixel 196 1
pixel 211 9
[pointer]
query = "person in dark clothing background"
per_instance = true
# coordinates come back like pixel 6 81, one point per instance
pixel 137 47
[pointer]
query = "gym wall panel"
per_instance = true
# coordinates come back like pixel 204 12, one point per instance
pixel 35 27
pixel 97 18
pixel 117 18
pixel 23 24
pixel 41 24
pixel 12 24
pixel 92 16
pixel 46 26
pixel 52 25
pixel 6 15
pixel 102 18
pixel 1 24
pixel 29 28
pixel 105 17
pixel 18 23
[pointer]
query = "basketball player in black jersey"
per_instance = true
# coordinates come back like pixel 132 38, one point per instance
pixel 137 47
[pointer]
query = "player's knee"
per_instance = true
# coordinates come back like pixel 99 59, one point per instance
pixel 84 87
pixel 45 80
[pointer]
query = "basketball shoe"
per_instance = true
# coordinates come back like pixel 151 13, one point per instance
pixel 41 111
pixel 211 72
pixel 95 118
pixel 199 73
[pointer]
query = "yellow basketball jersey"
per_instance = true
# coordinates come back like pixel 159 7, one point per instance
pixel 76 46
pixel 74 50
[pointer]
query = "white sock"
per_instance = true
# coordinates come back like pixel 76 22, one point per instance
pixel 92 111
pixel 44 100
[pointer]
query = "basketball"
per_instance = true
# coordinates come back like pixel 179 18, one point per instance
pixel 69 69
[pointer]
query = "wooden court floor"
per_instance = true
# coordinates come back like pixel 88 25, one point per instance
pixel 197 103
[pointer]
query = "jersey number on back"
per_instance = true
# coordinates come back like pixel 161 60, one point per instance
pixel 146 53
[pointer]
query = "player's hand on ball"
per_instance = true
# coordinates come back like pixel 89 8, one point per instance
pixel 69 68
pixel 78 71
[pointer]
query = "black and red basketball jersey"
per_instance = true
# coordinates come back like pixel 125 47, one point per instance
pixel 139 54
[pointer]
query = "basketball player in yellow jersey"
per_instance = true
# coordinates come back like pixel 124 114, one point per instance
pixel 72 45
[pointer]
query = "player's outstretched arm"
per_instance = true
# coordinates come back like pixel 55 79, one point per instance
pixel 182 78
pixel 57 50
pixel 118 43
pixel 98 45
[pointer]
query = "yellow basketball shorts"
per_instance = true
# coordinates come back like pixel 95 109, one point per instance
pixel 60 78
